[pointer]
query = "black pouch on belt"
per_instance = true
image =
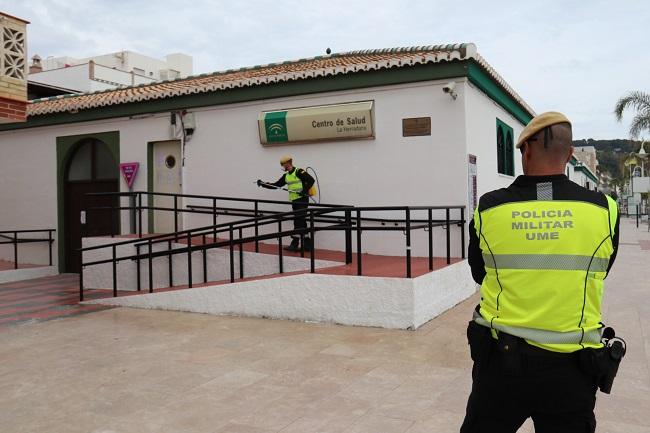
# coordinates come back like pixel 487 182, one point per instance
pixel 602 364
pixel 480 342
pixel 510 354
pixel 594 362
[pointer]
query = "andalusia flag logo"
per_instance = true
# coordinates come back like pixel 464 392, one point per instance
pixel 275 124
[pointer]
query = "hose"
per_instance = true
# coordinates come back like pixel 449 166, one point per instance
pixel 315 176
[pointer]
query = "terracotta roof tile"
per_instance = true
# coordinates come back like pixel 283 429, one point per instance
pixel 335 64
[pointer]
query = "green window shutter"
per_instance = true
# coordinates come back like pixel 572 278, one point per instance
pixel 505 149
pixel 500 150
pixel 510 162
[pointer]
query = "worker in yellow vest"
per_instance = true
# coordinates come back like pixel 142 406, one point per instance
pixel 298 182
pixel 541 249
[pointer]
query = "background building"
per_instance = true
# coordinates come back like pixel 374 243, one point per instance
pixel 581 173
pixel 108 71
pixel 587 156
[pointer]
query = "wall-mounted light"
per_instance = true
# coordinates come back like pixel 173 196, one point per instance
pixel 189 123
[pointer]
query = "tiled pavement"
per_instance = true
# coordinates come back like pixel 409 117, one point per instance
pixel 57 297
pixel 42 299
pixel 7 265
pixel 140 371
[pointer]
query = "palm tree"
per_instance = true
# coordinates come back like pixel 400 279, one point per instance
pixel 640 101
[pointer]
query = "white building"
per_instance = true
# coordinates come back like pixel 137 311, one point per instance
pixel 108 71
pixel 435 117
pixel 587 155
pixel 580 173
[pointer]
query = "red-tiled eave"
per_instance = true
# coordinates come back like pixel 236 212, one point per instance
pixel 335 64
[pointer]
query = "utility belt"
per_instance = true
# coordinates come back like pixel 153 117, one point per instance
pixel 514 355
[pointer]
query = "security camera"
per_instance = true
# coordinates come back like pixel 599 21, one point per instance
pixel 450 88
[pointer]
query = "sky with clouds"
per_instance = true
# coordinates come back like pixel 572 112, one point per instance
pixel 573 56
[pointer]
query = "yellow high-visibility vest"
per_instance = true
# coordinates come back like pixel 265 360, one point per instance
pixel 294 184
pixel 545 263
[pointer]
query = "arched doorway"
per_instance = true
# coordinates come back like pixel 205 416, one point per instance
pixel 91 168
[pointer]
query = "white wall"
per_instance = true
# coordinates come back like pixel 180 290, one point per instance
pixel 27 274
pixel 28 183
pixel 58 62
pixel 225 154
pixel 482 113
pixel 28 190
pixel 73 77
pixel 579 177
pixel 124 61
pixel 78 78
pixel 119 77
pixel 180 62
pixel 582 179
pixel 396 303
pixel 150 65
pixel 225 157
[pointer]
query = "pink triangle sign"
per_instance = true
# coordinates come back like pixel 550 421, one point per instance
pixel 129 170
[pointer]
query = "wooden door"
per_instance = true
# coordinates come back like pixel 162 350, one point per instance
pixel 97 223
pixel 92 169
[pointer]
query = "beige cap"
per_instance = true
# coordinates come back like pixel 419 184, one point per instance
pixel 540 122
pixel 285 159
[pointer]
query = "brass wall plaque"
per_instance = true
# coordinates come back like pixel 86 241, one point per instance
pixel 416 126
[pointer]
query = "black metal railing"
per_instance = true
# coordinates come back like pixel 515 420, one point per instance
pixel 11 237
pixel 348 219
pixel 137 206
pixel 641 213
pixel 638 212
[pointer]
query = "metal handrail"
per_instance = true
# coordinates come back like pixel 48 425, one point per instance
pixel 206 197
pixel 197 231
pixel 260 218
pixel 15 240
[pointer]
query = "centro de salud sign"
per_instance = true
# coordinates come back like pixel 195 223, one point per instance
pixel 323 123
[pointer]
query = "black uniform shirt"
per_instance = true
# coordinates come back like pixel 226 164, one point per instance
pixel 524 188
pixel 306 178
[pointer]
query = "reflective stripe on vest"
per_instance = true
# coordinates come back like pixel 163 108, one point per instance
pixel 294 184
pixel 566 262
pixel 542 336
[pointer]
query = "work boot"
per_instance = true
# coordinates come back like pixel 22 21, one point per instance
pixel 293 246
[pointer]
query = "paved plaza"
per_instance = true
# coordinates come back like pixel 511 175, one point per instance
pixel 127 370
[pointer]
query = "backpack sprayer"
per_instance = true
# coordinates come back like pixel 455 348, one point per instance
pixel 314 191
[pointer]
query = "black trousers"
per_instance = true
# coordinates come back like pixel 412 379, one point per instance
pixel 523 382
pixel 300 220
